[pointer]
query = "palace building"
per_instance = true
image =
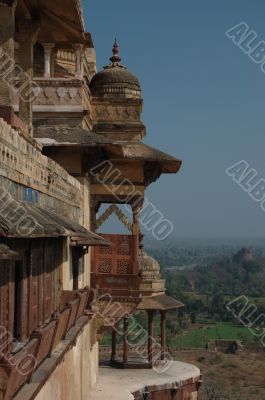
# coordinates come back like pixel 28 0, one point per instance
pixel 72 156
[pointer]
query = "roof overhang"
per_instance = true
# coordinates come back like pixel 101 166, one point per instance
pixel 58 23
pixel 143 152
pixel 21 220
pixel 159 303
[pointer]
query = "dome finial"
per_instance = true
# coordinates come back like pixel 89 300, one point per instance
pixel 115 50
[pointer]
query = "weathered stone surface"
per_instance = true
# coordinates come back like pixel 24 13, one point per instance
pixel 7 28
pixel 23 164
pixel 122 384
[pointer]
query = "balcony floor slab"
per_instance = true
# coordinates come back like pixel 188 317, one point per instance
pixel 119 384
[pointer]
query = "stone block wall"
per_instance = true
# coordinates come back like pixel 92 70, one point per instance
pixel 74 378
pixel 31 176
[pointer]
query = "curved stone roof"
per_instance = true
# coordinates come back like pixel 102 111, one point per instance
pixel 148 264
pixel 151 281
pixel 115 80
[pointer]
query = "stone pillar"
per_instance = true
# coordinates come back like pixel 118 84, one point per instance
pixel 163 334
pixel 94 209
pixel 48 47
pixel 26 40
pixel 79 60
pixel 113 344
pixel 125 341
pixel 7 63
pixel 136 234
pixel 150 335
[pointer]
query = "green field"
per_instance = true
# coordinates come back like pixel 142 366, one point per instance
pixel 198 338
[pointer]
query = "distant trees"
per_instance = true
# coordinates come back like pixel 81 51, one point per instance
pixel 223 277
pixel 207 288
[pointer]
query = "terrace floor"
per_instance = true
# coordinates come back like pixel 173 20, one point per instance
pixel 120 384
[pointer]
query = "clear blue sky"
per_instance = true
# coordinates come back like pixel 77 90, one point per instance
pixel 204 103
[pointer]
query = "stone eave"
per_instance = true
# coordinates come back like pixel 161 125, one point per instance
pixel 142 152
pixel 57 24
pixel 160 302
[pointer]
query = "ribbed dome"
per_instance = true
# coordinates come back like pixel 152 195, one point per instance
pixel 151 281
pixel 148 264
pixel 115 79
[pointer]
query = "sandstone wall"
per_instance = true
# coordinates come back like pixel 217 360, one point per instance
pixel 30 176
pixel 74 378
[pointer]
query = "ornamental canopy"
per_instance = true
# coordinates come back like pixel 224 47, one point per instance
pixel 159 303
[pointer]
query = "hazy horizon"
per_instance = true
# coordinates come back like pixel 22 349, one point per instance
pixel 204 103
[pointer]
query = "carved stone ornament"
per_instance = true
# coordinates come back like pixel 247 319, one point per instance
pixel 113 209
pixel 116 113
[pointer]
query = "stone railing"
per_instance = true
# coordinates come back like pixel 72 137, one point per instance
pixel 68 55
pixel 23 163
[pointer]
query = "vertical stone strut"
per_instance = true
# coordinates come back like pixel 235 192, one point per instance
pixel 79 60
pixel 7 31
pixel 25 38
pixel 48 47
pixel 136 233
pixel 125 341
pixel 150 335
pixel 114 344
pixel 163 334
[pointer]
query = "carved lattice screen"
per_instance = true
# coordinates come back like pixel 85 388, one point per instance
pixel 116 259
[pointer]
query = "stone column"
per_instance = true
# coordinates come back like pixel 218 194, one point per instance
pixel 136 233
pixel 113 344
pixel 7 63
pixel 79 60
pixel 163 334
pixel 48 47
pixel 26 39
pixel 125 341
pixel 150 335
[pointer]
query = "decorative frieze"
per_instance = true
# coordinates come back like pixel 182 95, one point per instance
pixel 59 95
pixel 116 113
pixel 58 92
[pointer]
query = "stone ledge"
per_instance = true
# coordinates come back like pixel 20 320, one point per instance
pixel 116 384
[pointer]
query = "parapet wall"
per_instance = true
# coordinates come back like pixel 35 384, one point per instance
pixel 30 176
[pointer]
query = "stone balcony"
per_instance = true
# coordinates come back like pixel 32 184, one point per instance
pixel 58 94
pixel 170 380
pixel 115 271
